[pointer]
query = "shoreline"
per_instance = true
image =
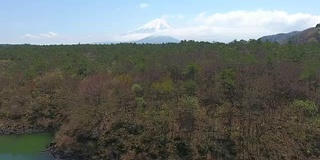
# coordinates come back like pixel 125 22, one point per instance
pixel 21 130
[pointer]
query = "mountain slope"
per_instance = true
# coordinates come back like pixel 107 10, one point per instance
pixel 157 40
pixel 279 38
pixel 296 37
pixel 307 36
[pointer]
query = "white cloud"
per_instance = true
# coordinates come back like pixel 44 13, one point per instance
pixel 248 24
pixel 46 38
pixel 42 35
pixel 271 20
pixel 55 38
pixel 238 24
pixel 49 35
pixel 128 37
pixel 143 5
pixel 30 36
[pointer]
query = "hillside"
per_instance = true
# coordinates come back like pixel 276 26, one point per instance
pixel 297 37
pixel 281 38
pixel 310 35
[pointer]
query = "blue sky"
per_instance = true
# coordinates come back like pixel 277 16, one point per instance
pixel 87 21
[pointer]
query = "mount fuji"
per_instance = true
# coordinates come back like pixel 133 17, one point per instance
pixel 155 32
pixel 153 26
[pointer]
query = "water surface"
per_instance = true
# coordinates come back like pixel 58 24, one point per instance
pixel 25 147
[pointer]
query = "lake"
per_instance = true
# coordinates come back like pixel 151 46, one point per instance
pixel 25 147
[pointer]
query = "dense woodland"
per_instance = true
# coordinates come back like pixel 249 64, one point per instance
pixel 191 100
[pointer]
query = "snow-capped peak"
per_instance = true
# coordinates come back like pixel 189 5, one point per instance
pixel 154 26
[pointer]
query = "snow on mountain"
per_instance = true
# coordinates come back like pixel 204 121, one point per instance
pixel 155 31
pixel 154 26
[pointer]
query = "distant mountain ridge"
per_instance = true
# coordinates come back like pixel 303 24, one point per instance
pixel 157 39
pixel 297 37
pixel 280 37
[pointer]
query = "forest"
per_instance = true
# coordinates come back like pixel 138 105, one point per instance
pixel 190 100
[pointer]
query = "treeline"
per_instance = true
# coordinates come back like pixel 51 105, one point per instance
pixel 192 100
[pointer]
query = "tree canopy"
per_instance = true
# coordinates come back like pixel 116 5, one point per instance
pixel 191 100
